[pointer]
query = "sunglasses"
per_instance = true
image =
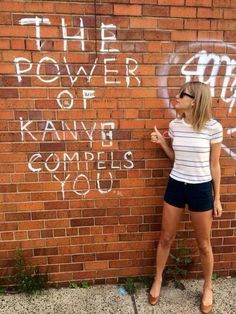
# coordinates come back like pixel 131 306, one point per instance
pixel 182 94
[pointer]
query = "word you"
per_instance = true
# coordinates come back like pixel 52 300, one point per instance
pixel 77 171
pixel 67 162
pixel 81 160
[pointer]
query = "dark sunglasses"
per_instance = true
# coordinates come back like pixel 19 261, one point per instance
pixel 182 94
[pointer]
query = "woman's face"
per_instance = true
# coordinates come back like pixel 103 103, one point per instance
pixel 184 101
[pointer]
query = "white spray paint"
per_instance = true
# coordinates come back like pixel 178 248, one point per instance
pixel 107 39
pixel 80 37
pixel 56 131
pixel 202 60
pixel 37 21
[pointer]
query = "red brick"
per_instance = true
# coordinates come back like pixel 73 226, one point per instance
pixel 71 267
pixel 17 216
pixel 83 257
pixel 143 23
pixel 229 36
pixel 154 10
pixel 84 237
pixel 5 44
pixel 9 6
pixel 197 24
pixel 9 93
pixel 82 222
pixel 184 35
pixel 45 251
pixel 5 236
pixel 21 235
pixel 225 4
pixel 183 12
pixel 125 9
pixel 142 2
pixel 199 3
pixel 95 265
pixel 213 36
pixel 229 14
pixel 213 13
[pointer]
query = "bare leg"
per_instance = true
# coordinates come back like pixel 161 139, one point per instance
pixel 202 222
pixel 170 220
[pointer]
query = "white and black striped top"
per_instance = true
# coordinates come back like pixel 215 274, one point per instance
pixel 192 150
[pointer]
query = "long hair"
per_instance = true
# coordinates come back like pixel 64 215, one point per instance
pixel 202 103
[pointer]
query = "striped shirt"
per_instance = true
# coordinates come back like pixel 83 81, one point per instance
pixel 192 150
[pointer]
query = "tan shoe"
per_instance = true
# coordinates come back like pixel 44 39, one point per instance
pixel 206 309
pixel 152 300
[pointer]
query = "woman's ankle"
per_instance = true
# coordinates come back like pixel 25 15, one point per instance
pixel 158 278
pixel 207 285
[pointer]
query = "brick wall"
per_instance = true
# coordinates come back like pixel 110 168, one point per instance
pixel 81 87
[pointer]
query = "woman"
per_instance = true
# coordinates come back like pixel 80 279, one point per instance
pixel 194 181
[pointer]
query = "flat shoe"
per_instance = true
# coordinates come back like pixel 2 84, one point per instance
pixel 152 300
pixel 206 309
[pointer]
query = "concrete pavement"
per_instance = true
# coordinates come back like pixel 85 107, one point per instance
pixel 106 299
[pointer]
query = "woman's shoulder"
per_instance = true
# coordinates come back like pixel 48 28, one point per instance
pixel 213 123
pixel 214 127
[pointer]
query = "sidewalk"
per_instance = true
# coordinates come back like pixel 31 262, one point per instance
pixel 107 299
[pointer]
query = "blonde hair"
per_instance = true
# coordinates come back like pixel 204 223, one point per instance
pixel 202 103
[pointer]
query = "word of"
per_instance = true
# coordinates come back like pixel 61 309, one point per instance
pixel 68 167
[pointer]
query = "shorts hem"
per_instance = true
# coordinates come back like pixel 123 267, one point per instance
pixel 174 204
pixel 199 210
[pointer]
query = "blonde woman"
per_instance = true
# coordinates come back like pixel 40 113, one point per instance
pixel 194 181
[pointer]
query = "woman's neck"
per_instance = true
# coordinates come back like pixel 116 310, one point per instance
pixel 188 118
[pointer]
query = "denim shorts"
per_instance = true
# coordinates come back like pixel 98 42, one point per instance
pixel 197 196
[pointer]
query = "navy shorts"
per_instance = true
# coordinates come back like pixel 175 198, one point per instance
pixel 198 196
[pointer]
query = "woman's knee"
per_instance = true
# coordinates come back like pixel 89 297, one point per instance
pixel 166 239
pixel 205 247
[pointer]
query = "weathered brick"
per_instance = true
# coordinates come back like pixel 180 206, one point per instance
pixel 213 13
pixel 154 10
pixel 124 9
pixel 183 12
pixel 98 236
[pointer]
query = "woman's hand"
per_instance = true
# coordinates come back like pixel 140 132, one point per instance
pixel 217 211
pixel 157 137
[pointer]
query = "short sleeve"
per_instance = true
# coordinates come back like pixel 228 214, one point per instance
pixel 217 133
pixel 170 131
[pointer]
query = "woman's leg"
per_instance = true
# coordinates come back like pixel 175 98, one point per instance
pixel 170 220
pixel 202 222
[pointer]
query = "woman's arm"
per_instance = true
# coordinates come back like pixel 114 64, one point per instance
pixel 157 137
pixel 216 176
